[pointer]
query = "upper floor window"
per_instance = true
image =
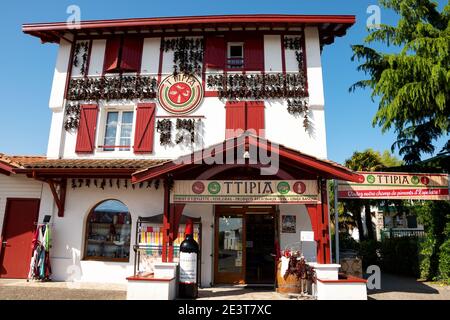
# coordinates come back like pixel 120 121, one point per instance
pixel 118 129
pixel 237 52
pixel 235 55
pixel 123 54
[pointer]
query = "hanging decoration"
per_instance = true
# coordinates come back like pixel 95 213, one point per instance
pixel 185 130
pixel 112 88
pixel 81 49
pixel 105 88
pixel 88 182
pixel 72 116
pixel 40 268
pixel 188 55
pixel 299 107
pixel 259 86
pixel 164 128
pixel 296 44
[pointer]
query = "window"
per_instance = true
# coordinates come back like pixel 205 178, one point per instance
pixel 235 55
pixel 108 232
pixel 118 129
pixel 244 116
pixel 123 54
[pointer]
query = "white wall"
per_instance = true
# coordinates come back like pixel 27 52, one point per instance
pixel 291 133
pixel 17 186
pixel 303 223
pixel 97 57
pixel 69 231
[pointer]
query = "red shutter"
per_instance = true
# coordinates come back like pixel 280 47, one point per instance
pixel 145 128
pixel 255 117
pixel 215 52
pixel 131 54
pixel 112 52
pixel 235 118
pixel 254 54
pixel 86 129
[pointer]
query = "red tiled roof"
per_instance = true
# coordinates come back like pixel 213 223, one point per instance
pixel 19 161
pixel 93 164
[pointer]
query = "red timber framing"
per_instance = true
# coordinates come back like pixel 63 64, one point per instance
pixel 60 195
pixel 293 165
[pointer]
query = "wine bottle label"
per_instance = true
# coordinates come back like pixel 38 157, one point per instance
pixel 188 267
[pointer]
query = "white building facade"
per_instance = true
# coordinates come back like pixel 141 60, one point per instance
pixel 130 96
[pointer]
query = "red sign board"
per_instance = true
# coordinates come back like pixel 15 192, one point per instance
pixel 394 185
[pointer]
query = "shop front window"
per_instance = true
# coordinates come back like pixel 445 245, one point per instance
pixel 108 232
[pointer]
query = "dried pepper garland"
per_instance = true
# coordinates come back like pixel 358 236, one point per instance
pixel 83 49
pixel 72 116
pixel 259 86
pixel 186 128
pixel 188 55
pixel 293 43
pixel 296 44
pixel 299 107
pixel 101 183
pixel 164 128
pixel 111 88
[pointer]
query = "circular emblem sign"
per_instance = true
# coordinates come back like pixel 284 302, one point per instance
pixel 214 187
pixel 198 187
pixel 283 187
pixel 180 94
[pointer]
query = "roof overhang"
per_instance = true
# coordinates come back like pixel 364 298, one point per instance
pixel 321 168
pixel 330 26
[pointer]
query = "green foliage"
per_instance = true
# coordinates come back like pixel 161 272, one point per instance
pixel 426 255
pixel 435 251
pixel 368 160
pixel 369 250
pixel 444 262
pixel 413 85
pixel 400 256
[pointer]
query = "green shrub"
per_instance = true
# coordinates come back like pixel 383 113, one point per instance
pixel 369 250
pixel 444 262
pixel 426 255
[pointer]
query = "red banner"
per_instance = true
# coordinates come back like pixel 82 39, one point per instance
pixel 393 185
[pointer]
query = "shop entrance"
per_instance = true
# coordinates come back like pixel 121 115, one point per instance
pixel 245 245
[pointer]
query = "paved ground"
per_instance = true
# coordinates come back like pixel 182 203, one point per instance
pixel 22 290
pixel 243 293
pixel 393 288
pixel 403 288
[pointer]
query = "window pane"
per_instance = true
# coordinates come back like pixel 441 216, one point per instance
pixel 111 130
pixel 126 129
pixel 235 51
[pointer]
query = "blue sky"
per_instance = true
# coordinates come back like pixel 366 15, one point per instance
pixel 28 66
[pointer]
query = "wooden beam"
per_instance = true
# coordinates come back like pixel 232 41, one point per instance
pixel 60 199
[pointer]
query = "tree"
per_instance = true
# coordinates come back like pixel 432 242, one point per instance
pixel 413 85
pixel 367 160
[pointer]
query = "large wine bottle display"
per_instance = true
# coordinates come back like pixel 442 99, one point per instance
pixel 188 264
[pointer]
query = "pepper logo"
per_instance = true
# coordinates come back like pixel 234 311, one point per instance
pixel 370 179
pixel 180 94
pixel 214 187
pixel 198 187
pixel 283 187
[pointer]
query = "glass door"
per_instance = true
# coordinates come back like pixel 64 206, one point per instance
pixel 230 251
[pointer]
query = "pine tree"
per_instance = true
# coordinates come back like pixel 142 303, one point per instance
pixel 413 85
